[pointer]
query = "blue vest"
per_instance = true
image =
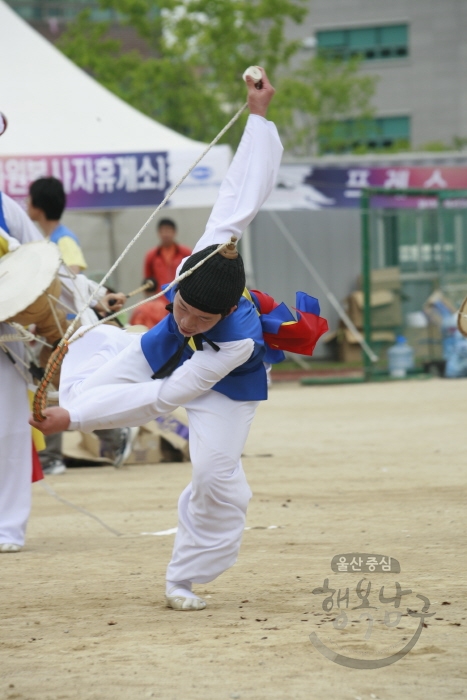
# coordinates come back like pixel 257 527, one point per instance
pixel 60 232
pixel 245 383
pixel 2 217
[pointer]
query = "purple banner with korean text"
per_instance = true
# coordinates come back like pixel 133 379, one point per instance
pixel 97 181
pixel 307 187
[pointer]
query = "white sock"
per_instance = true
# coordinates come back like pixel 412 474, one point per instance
pixel 180 589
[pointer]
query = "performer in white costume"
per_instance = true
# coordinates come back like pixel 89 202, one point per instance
pixel 15 433
pixel 110 379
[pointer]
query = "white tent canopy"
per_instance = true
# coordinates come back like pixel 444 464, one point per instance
pixel 55 109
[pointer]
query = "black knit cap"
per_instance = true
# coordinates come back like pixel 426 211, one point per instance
pixel 217 285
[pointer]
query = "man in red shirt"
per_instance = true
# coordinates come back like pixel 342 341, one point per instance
pixel 161 262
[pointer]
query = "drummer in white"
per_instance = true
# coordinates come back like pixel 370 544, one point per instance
pixel 15 433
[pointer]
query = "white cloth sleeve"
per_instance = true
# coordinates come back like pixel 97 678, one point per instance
pixel 121 393
pixel 92 286
pixel 18 222
pixel 248 183
pixel 75 293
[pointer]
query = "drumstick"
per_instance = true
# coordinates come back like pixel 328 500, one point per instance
pixel 149 285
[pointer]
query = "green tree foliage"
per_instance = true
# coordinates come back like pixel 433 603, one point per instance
pixel 319 95
pixel 189 77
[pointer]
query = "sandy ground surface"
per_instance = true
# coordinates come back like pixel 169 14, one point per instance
pixel 376 469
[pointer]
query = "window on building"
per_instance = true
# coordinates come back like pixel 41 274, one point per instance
pixel 380 134
pixel 43 10
pixel 369 43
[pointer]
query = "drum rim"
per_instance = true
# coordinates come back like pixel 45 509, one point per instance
pixel 461 319
pixel 27 295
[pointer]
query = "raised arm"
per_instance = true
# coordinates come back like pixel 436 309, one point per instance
pixel 251 175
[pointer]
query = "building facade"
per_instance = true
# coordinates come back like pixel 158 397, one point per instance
pixel 53 11
pixel 417 50
pixel 51 17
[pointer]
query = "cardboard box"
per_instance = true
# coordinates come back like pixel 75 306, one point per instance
pixel 437 307
pixel 384 278
pixel 160 440
pixel 386 309
pixel 146 446
pixel 426 342
pixel 350 350
pixel 74 447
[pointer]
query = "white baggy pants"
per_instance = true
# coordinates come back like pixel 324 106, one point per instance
pixel 106 382
pixel 15 450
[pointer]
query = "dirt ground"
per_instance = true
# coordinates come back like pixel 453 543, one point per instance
pixel 375 469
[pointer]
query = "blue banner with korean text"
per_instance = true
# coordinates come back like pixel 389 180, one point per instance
pixel 97 181
pixel 302 186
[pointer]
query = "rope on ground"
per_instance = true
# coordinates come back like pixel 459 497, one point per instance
pixel 55 495
pixel 170 531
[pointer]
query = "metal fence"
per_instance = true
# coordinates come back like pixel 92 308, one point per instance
pixel 427 246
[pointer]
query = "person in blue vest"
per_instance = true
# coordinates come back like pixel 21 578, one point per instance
pixel 46 204
pixel 208 355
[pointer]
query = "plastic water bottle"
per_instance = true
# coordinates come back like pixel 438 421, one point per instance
pixel 449 335
pixel 453 351
pixel 400 358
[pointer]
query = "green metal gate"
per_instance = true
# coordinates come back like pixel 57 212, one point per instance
pixel 427 245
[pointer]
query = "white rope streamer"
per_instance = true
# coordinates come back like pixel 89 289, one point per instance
pixel 55 315
pixel 22 335
pixel 93 296
pixel 14 338
pixel 160 533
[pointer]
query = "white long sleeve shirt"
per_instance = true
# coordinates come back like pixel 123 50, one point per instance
pixel 122 393
pixel 125 396
pixel 249 182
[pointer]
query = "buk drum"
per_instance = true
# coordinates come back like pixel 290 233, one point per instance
pixel 462 318
pixel 29 288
